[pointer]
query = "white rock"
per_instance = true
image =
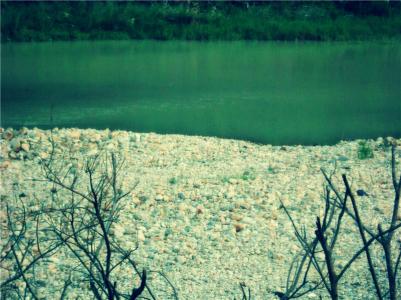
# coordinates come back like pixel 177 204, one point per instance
pixel 15 144
pixel 4 165
pixel 8 134
pixel 141 236
pixel 75 134
pixel 135 200
pixel 181 259
pixel 110 147
pixel 92 152
pixel 12 155
pixel 95 137
pixel 239 227
pixel 136 137
pixel 182 207
pixel 236 217
pixel 23 131
pixel 25 147
pixel 43 155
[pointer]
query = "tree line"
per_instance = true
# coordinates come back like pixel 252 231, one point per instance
pixel 199 20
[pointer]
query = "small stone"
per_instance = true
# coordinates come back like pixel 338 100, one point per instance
pixel 110 147
pixel 15 144
pixel 8 134
pixel 182 207
pixel 136 200
pixel 75 134
pixel 43 155
pixel 223 220
pixel 166 198
pixel 52 268
pixel 5 274
pixel 248 220
pixel 242 204
pixel 121 137
pixel 13 155
pixel 136 138
pixel 92 152
pixel 95 138
pixel 141 236
pixel 181 259
pixel 230 194
pixel 199 209
pixel 23 131
pixel 236 217
pixel 36 135
pixel 115 134
pixel 239 227
pixel 233 181
pixel 295 248
pixel 25 147
pixel 159 197
pixel 228 207
pixel 5 165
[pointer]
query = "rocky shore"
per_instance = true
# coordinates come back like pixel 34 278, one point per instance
pixel 207 211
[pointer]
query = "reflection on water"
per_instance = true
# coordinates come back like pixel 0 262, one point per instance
pixel 279 93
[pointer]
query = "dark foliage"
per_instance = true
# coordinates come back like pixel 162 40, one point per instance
pixel 199 20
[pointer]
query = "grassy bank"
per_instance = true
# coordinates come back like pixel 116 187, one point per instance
pixel 191 20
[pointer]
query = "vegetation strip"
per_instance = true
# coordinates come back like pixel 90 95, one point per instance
pixel 200 20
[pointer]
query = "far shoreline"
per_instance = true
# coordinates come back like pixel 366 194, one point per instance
pixel 108 131
pixel 383 40
pixel 248 20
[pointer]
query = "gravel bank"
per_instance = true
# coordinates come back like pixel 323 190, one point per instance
pixel 207 211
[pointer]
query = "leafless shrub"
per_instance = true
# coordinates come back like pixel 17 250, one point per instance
pixel 79 223
pixel 85 222
pixel 309 260
pixel 245 292
pixel 23 247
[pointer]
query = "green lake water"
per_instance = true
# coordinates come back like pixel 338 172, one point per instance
pixel 276 93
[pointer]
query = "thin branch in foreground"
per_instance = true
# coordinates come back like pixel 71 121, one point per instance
pixel 328 276
pixel 363 237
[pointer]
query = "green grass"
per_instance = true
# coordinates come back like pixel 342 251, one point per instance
pixel 248 175
pixel 364 150
pixel 225 179
pixel 172 180
pixel 271 170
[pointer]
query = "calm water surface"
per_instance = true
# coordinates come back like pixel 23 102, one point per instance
pixel 278 93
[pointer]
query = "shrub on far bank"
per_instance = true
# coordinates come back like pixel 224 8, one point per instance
pixel 365 151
